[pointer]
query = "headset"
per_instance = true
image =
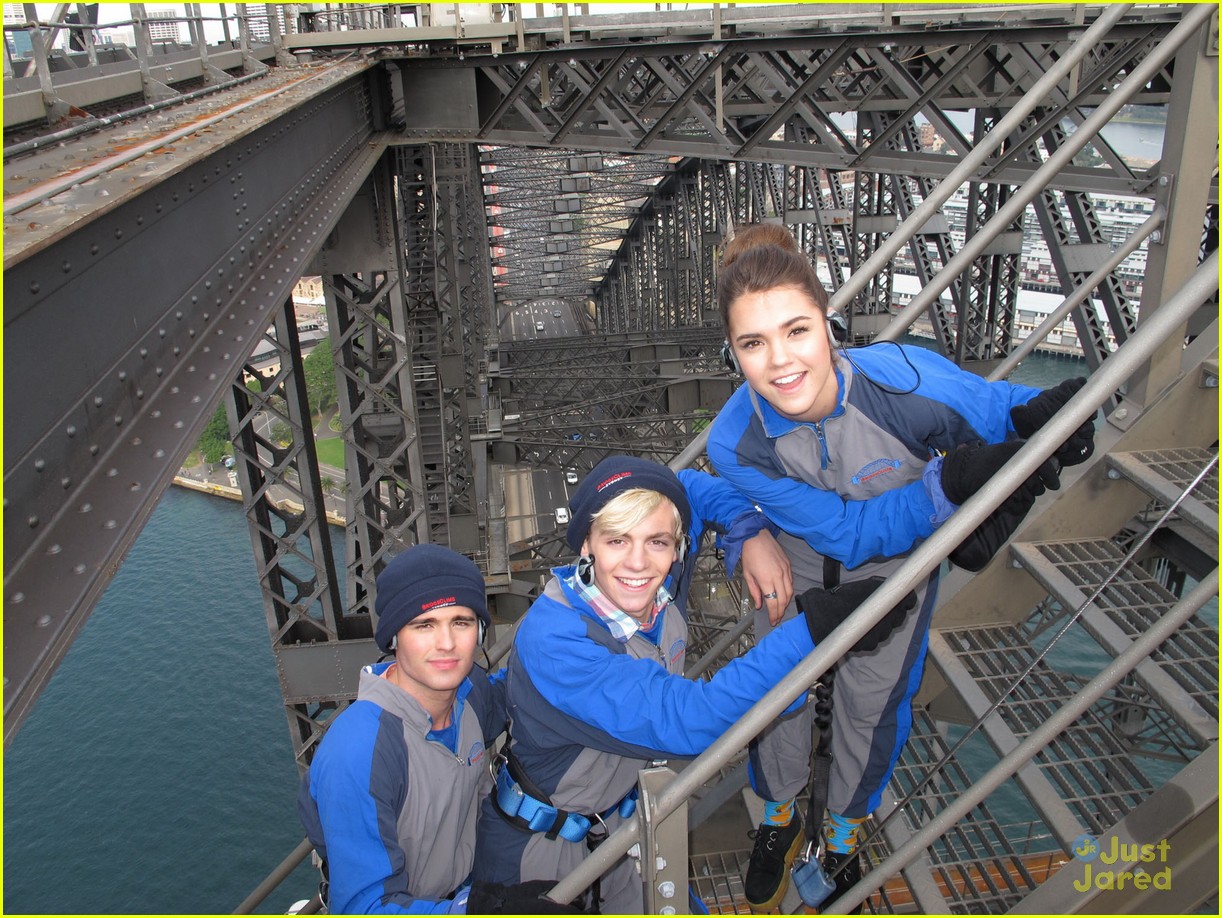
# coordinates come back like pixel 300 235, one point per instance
pixel 837 335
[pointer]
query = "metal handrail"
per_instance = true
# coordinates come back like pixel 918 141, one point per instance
pixel 1079 294
pixel 1141 648
pixel 1194 19
pixel 1156 328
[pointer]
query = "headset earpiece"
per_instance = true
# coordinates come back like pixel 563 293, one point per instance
pixel 727 356
pixel 681 549
pixel 479 638
pixel 837 329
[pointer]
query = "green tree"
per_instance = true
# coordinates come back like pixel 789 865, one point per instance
pixel 214 442
pixel 319 369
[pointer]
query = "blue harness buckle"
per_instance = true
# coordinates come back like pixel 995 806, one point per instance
pixel 537 816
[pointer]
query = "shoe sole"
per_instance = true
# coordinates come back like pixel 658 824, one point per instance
pixel 763 908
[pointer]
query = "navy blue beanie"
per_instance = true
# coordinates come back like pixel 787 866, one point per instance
pixel 423 578
pixel 612 477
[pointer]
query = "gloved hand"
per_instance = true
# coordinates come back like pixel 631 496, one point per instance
pixel 517 899
pixel 967 468
pixel 825 609
pixel 1036 413
pixel 978 549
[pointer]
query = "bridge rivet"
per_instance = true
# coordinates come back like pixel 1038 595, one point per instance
pixel 66 267
pixel 79 569
pixel 93 449
pixel 34 287
pixel 123 376
pixel 54 549
pixel 16 597
pixel 43 621
pixel 85 508
pixel 109 524
pixel 33 521
pixel 97 401
pixel 39 465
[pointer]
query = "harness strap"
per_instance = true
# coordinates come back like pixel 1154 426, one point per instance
pixel 528 812
pixel 822 772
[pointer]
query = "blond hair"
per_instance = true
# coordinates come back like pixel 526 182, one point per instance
pixel 626 511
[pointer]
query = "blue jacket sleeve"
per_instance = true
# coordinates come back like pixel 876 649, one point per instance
pixel 852 531
pixel 857 531
pixel 717 503
pixel 351 797
pixel 637 702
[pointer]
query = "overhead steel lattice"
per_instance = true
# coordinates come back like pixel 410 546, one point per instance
pixel 556 217
pixel 728 98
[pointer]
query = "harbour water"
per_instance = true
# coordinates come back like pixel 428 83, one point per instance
pixel 155 774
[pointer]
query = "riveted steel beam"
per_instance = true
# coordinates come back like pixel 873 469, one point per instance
pixel 147 308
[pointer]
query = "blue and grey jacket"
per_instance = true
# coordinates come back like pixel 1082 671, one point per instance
pixel 864 483
pixel 391 805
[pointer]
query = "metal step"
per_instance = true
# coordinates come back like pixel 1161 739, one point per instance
pixel 982 865
pixel 1165 473
pixel 1183 675
pixel 1094 766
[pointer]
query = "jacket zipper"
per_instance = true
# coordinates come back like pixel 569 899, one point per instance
pixel 822 445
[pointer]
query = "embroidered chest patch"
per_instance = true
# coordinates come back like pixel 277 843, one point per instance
pixel 677 650
pixel 476 753
pixel 874 469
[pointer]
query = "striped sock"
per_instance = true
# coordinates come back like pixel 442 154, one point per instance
pixel 841 832
pixel 778 814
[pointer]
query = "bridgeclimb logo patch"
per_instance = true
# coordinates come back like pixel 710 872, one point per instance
pixel 1113 864
pixel 876 468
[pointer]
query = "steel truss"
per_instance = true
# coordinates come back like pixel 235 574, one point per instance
pixel 449 307
pixel 217 245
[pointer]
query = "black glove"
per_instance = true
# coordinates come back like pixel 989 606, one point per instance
pixel 518 899
pixel 825 609
pixel 1036 413
pixel 967 468
pixel 978 549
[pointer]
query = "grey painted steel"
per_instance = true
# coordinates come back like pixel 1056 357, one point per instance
pixel 663 847
pixel 1154 471
pixel 920 875
pixel 1195 19
pixel 1173 697
pixel 1033 743
pixel 1079 295
pixel 1187 805
pixel 1043 796
pixel 973 160
pixel 129 397
pixel 928 555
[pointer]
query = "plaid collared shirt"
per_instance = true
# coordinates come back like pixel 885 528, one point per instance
pixel 621 625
